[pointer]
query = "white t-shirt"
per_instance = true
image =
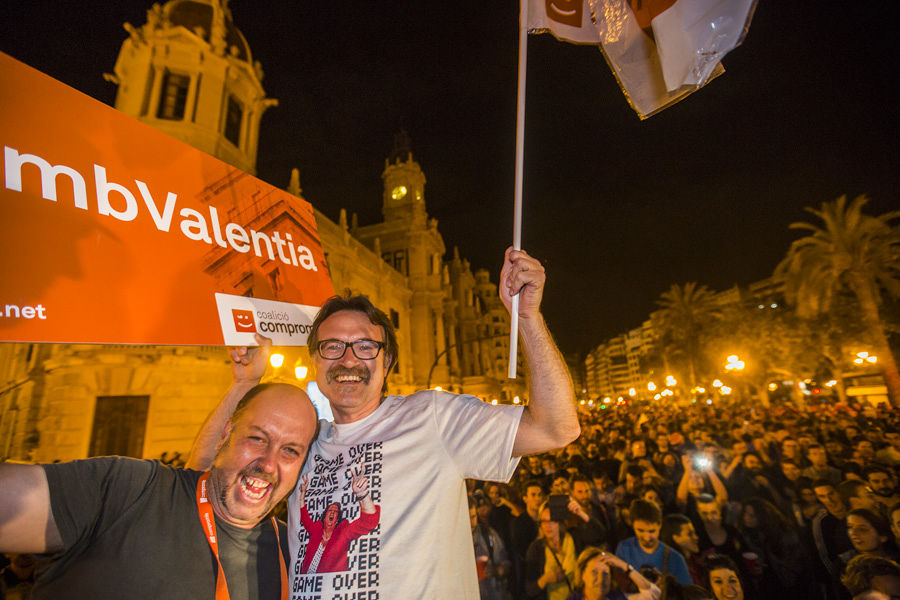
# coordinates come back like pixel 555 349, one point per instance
pixel 416 451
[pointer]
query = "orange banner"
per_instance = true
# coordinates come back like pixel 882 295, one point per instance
pixel 113 232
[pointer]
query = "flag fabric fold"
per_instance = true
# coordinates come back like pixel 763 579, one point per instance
pixel 660 51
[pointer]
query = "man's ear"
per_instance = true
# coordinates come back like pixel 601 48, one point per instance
pixel 388 362
pixel 226 433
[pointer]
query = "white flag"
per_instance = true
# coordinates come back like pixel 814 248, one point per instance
pixel 567 20
pixel 692 36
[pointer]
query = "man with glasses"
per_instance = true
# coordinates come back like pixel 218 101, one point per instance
pixel 416 451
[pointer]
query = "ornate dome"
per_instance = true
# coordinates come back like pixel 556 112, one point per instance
pixel 207 18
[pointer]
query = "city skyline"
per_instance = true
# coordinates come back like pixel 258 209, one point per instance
pixel 703 191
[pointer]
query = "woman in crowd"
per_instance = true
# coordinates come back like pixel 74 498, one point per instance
pixel 776 542
pixel 550 560
pixel 594 578
pixel 678 532
pixel 869 533
pixel 722 578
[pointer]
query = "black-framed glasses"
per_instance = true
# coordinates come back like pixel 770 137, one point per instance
pixel 362 349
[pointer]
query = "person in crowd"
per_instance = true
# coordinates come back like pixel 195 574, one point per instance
pixel 818 466
pixel 869 533
pixel 894 520
pixel 502 512
pixel 890 454
pixel 723 577
pixel 868 573
pixel 856 493
pixel 525 531
pixel 595 530
pixel 549 571
pixel 594 578
pixel 717 536
pixel 353 347
pixel 678 532
pixel 775 540
pixel 638 456
pixel 697 479
pixel 491 560
pixel 748 481
pixel 827 538
pixel 881 479
pixel 115 527
pixel 863 451
pixel 645 548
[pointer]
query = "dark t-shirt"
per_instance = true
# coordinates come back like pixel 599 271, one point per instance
pixel 130 529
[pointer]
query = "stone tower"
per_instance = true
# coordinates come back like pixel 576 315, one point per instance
pixel 410 242
pixel 189 73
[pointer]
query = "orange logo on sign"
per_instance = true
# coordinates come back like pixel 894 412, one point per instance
pixel 567 12
pixel 647 10
pixel 243 321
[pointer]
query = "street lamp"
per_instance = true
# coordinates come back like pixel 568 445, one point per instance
pixel 862 357
pixel 276 360
pixel 734 364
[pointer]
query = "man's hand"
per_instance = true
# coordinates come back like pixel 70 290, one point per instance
pixel 521 274
pixel 248 364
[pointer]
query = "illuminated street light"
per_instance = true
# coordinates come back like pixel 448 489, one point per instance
pixel 438 389
pixel 670 381
pixel 725 390
pixel 651 386
pixel 516 400
pixel 631 392
pixel 773 386
pixel 276 360
pixel 831 383
pixel 657 397
pixel 607 400
pixel 300 372
pixel 717 384
pixel 494 402
pixel 734 364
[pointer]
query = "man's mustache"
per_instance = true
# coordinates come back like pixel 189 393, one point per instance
pixel 338 371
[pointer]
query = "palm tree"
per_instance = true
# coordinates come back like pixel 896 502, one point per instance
pixel 849 251
pixel 685 311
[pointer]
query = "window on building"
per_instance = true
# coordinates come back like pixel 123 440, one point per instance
pixel 234 116
pixel 395 319
pixel 400 262
pixel 173 97
pixel 119 426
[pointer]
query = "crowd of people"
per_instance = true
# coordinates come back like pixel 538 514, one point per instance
pixel 700 501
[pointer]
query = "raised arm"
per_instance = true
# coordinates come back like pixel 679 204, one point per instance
pixel 248 365
pixel 549 420
pixel 681 494
pixel 26 521
pixel 718 487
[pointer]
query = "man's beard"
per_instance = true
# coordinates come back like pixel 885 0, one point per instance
pixel 258 473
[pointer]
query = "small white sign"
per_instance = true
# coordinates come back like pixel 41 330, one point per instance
pixel 285 323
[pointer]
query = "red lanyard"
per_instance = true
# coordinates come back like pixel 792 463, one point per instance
pixel 209 526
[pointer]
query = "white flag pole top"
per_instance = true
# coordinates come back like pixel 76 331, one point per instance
pixel 520 154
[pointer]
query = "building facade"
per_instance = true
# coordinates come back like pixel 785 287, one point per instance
pixel 189 72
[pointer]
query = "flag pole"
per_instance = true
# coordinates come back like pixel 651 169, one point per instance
pixel 517 203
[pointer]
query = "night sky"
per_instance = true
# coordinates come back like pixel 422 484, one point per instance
pixel 617 209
